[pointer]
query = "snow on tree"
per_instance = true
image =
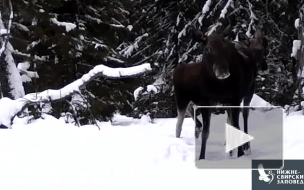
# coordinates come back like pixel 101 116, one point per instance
pixel 297 55
pixel 15 107
pixel 63 40
pixel 10 79
pixel 25 74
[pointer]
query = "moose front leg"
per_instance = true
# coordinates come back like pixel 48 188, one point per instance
pixel 198 123
pixel 206 115
pixel 246 110
pixel 235 113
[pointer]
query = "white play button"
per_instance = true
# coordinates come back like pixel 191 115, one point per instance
pixel 199 117
pixel 235 138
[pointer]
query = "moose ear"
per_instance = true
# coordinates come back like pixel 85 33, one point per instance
pixel 259 35
pixel 199 36
pixel 265 42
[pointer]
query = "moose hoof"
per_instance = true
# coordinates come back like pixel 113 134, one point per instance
pixel 246 146
pixel 197 132
pixel 240 153
pixel 178 133
pixel 197 135
pixel 233 153
pixel 247 152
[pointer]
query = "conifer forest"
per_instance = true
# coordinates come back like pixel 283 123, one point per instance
pixel 94 58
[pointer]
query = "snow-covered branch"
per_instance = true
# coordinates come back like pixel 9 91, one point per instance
pixel 99 70
pixel 252 18
pixel 185 55
pixel 205 9
pixel 296 45
pixel 184 30
pixel 21 27
pixel 213 28
pixel 225 9
pixel 126 52
pixel 68 26
pixel 10 17
pixel 297 23
pixel 119 25
pixel 295 48
pixel 178 19
pixel 150 88
pixel 32 45
pixel 155 87
pixel 25 74
pixel 17 106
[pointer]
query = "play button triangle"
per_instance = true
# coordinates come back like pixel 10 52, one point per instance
pixel 235 138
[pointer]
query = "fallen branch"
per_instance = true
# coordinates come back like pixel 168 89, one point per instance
pixel 15 107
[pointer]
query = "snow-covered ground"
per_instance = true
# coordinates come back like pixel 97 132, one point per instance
pixel 132 154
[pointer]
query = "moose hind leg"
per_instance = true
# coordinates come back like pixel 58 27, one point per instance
pixel 195 114
pixel 198 123
pixel 179 123
pixel 181 105
pixel 206 115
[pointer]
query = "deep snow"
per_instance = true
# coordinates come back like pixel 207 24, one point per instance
pixel 49 154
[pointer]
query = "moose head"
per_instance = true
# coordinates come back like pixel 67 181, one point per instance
pixel 215 47
pixel 258 45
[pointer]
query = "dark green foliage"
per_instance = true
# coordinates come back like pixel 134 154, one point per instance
pixel 60 56
pixel 279 84
pixel 102 34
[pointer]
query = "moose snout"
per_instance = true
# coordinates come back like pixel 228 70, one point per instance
pixel 221 73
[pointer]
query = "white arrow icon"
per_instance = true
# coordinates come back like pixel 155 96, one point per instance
pixel 235 138
pixel 199 117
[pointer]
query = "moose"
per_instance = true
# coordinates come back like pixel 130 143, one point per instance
pixel 226 75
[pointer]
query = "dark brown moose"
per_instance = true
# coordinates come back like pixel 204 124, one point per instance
pixel 226 75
